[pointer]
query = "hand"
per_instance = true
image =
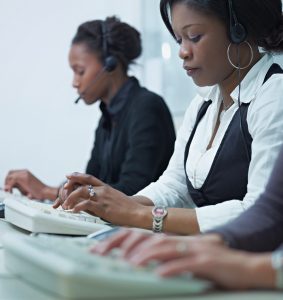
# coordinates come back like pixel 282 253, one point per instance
pixel 107 203
pixel 205 256
pixel 126 239
pixel 66 188
pixel 28 185
pixel 61 196
pixel 225 267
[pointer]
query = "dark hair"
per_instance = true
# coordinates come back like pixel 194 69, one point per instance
pixel 262 19
pixel 123 41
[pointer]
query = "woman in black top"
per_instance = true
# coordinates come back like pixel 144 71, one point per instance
pixel 135 136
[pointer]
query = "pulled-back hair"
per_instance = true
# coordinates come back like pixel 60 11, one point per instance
pixel 262 19
pixel 123 41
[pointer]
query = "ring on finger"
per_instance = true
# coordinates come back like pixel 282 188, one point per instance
pixel 182 248
pixel 91 191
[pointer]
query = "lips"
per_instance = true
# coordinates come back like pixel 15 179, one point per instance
pixel 190 70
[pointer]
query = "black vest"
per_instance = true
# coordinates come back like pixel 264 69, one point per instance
pixel 228 175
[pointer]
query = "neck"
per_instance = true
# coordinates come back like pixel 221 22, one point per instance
pixel 232 81
pixel 116 80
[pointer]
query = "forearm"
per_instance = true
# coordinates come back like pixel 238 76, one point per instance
pixel 50 193
pixel 178 220
pixel 142 200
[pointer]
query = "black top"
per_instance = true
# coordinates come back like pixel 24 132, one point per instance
pixel 230 165
pixel 260 228
pixel 134 139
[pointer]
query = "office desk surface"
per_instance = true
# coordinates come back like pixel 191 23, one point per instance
pixel 12 288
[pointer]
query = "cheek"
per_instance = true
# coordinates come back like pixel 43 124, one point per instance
pixel 214 66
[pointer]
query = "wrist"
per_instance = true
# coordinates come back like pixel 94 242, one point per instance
pixel 260 272
pixel 141 217
pixel 50 193
pixel 213 238
pixel 159 213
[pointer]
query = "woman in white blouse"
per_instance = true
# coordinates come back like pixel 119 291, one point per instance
pixel 223 155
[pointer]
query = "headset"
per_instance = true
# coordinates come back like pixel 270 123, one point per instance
pixel 110 61
pixel 238 32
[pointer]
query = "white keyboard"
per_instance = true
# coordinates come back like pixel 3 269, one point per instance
pixel 38 216
pixel 3 195
pixel 65 267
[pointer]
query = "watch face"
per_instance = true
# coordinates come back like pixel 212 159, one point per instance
pixel 159 211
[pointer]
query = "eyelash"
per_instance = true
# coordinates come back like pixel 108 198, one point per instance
pixel 194 39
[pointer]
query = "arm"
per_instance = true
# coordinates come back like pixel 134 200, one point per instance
pixel 119 209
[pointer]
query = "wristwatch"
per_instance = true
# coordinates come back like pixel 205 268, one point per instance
pixel 277 265
pixel 158 213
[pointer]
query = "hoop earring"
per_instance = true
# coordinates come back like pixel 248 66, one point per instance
pixel 237 67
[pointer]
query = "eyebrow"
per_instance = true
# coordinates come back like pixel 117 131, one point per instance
pixel 189 25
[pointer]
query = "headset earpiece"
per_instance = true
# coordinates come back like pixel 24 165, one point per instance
pixel 110 61
pixel 238 32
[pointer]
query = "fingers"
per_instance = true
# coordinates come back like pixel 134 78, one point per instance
pixel 10 181
pixel 160 248
pixel 85 205
pixel 75 197
pixel 113 242
pixel 82 179
pixel 58 202
pixel 179 266
pixel 134 240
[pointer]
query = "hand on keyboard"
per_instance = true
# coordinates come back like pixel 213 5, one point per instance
pixel 38 216
pixel 99 199
pixel 29 185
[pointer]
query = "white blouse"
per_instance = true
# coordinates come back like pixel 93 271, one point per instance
pixel 265 124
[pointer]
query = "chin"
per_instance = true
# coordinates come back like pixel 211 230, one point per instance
pixel 90 101
pixel 202 82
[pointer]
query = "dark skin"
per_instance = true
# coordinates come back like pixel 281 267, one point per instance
pixel 203 48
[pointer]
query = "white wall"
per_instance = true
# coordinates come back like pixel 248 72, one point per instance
pixel 40 127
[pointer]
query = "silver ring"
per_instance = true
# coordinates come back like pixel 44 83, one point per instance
pixel 182 248
pixel 91 191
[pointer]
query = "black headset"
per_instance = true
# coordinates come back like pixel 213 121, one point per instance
pixel 110 62
pixel 238 32
pixel 238 35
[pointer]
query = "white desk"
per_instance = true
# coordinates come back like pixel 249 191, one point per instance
pixel 13 288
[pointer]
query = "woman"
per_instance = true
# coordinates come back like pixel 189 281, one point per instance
pixel 135 136
pixel 228 152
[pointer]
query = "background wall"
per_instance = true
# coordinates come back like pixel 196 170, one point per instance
pixel 40 127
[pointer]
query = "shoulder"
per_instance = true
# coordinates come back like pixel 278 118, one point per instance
pixel 145 102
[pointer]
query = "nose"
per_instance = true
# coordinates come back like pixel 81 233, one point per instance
pixel 185 51
pixel 75 82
